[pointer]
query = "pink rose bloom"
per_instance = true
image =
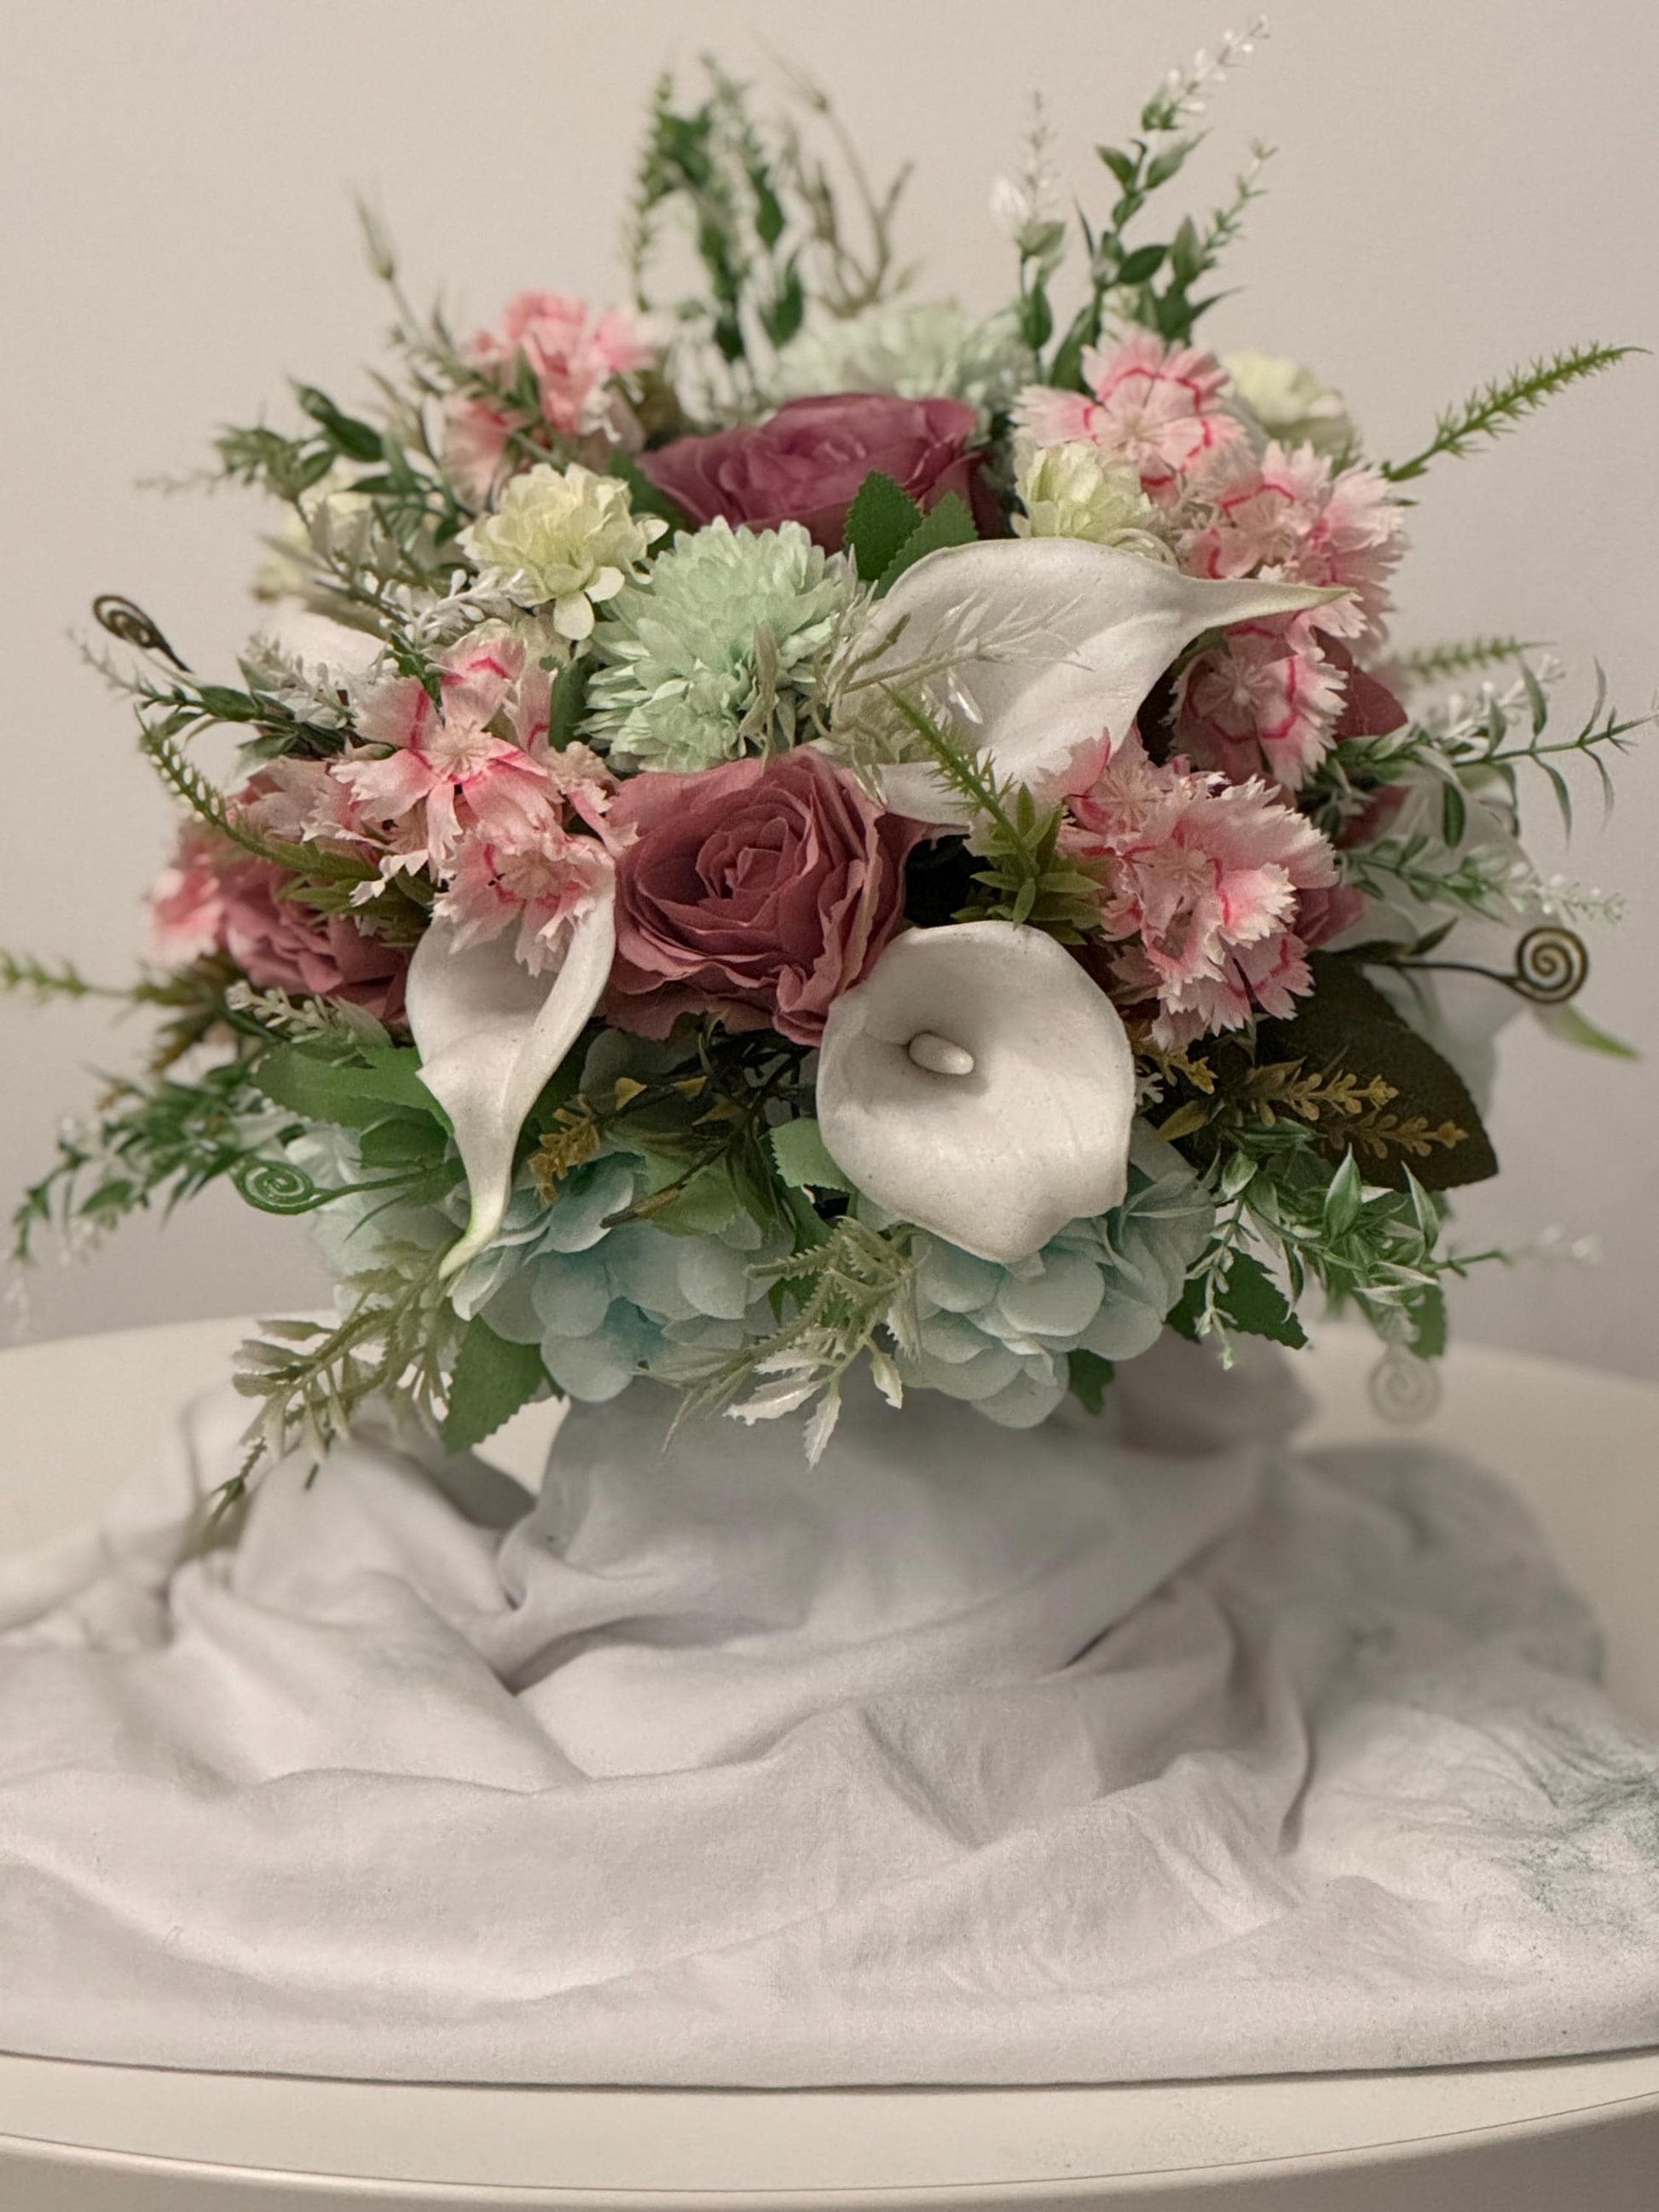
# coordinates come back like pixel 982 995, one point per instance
pixel 216 898
pixel 758 891
pixel 1290 515
pixel 806 462
pixel 1157 406
pixel 1202 883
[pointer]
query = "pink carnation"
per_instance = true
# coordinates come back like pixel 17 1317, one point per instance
pixel 1157 406
pixel 758 891
pixel 1201 881
pixel 216 898
pixel 1290 515
pixel 571 351
pixel 537 884
pixel 1265 698
pixel 447 767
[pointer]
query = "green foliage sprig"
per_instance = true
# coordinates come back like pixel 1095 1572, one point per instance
pixel 1493 409
pixel 846 1290
pixel 1026 879
pixel 1153 284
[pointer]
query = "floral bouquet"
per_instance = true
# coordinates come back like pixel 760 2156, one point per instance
pixel 787 826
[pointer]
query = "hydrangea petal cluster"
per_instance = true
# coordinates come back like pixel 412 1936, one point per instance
pixel 713 655
pixel 562 538
pixel 608 1304
pixel 1287 513
pixel 1201 880
pixel 1160 408
pixel 1001 1336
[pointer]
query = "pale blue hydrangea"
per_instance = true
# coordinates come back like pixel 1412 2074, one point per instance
pixel 606 1305
pixel 1000 1336
pixel 713 657
pixel 919 349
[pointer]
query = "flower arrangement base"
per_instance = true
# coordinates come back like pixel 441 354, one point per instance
pixel 966 1757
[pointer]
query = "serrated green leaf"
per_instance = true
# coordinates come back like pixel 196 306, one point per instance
pixel 493 1379
pixel 951 523
pixel 881 519
pixel 803 1159
pixel 1252 1302
pixel 351 1096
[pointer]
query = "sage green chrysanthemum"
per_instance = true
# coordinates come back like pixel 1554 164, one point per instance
pixel 712 656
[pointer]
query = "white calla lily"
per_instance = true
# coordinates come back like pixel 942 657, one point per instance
pixel 489 1035
pixel 1093 627
pixel 978 1084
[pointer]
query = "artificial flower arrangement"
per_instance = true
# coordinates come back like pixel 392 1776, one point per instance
pixel 796 828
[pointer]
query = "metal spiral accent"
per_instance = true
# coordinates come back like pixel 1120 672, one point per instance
pixel 277 1187
pixel 1551 964
pixel 1403 1389
pixel 122 618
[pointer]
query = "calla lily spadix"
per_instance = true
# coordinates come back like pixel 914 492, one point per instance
pixel 489 1035
pixel 979 1084
pixel 1097 627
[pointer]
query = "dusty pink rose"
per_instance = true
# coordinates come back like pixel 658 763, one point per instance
pixel 758 891
pixel 806 462
pixel 216 898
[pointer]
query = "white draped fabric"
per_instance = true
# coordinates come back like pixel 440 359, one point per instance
pixel 964 1757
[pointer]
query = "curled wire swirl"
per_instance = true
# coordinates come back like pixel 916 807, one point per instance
pixel 277 1187
pixel 1551 964
pixel 125 620
pixel 1403 1389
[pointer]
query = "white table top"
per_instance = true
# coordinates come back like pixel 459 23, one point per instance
pixel 1582 1448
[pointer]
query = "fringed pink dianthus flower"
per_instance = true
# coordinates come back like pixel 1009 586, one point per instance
pixel 1159 406
pixel 1201 880
pixel 1263 700
pixel 573 352
pixel 1289 513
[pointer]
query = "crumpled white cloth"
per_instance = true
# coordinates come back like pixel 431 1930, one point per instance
pixel 966 1757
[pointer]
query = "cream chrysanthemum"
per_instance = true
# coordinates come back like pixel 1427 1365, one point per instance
pixel 562 539
pixel 1079 490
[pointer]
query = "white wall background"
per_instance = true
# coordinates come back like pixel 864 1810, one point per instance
pixel 1458 185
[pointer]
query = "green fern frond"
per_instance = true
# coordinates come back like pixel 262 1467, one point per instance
pixel 1496 407
pixel 1435 664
